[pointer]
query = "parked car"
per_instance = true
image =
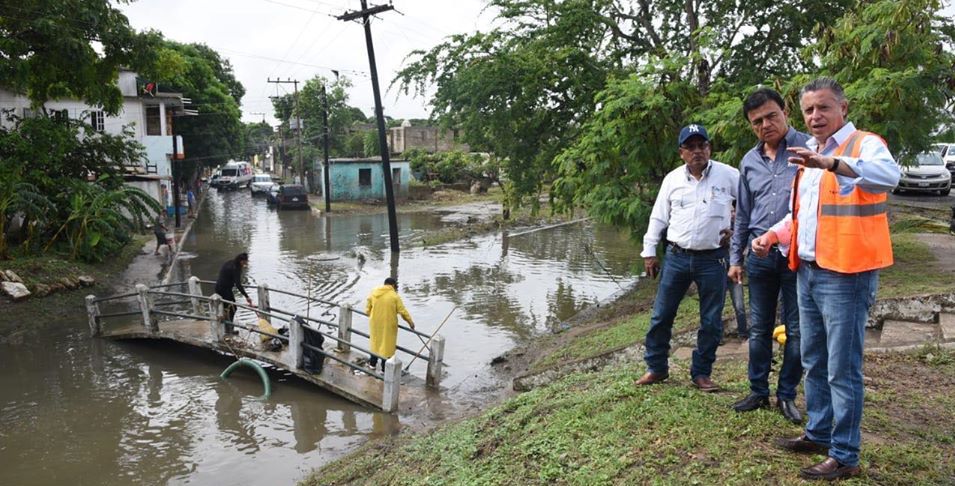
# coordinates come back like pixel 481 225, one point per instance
pixel 292 196
pixel 272 195
pixel 261 184
pixel 947 152
pixel 926 173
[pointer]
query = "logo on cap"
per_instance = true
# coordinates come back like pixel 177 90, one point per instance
pixel 693 128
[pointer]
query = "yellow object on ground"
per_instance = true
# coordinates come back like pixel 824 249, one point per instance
pixel 383 307
pixel 779 334
pixel 265 326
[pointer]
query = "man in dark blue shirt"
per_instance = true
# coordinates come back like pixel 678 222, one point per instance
pixel 230 277
pixel 765 185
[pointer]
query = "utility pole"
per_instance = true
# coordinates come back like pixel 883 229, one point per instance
pixel 328 189
pixel 298 125
pixel 363 14
pixel 174 161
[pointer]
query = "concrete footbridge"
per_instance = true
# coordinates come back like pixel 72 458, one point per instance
pixel 180 312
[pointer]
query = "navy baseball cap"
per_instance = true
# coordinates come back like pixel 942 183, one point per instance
pixel 693 130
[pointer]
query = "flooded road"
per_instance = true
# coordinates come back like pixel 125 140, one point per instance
pixel 85 411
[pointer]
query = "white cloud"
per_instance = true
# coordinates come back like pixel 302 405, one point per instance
pixel 299 39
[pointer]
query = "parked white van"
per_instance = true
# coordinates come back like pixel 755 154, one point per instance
pixel 235 175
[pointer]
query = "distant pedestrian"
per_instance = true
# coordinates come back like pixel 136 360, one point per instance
pixel 230 277
pixel 160 230
pixel 693 207
pixel 383 307
pixel 191 201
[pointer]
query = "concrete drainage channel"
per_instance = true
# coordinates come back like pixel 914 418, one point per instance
pixel 894 325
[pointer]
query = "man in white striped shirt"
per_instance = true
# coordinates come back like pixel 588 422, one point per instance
pixel 694 208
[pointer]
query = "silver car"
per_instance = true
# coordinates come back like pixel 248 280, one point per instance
pixel 260 184
pixel 947 151
pixel 926 173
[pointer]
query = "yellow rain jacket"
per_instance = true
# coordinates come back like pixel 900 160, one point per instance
pixel 383 307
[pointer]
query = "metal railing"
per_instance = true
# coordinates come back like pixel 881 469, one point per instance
pixel 212 309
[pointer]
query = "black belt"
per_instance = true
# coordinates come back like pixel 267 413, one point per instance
pixel 811 264
pixel 678 249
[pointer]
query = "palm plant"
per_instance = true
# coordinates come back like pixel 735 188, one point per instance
pixel 20 198
pixel 101 218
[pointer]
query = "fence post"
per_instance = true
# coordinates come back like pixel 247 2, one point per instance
pixel 344 328
pixel 195 289
pixel 435 360
pixel 216 310
pixel 92 308
pixel 264 301
pixel 145 306
pixel 295 337
pixel 389 394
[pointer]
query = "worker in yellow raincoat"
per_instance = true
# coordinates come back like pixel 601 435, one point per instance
pixel 383 307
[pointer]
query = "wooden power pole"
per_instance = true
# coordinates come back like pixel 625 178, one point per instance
pixel 325 176
pixel 364 14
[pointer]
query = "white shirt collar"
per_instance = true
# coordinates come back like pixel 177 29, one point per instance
pixel 706 170
pixel 836 138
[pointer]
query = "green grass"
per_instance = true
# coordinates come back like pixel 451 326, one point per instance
pixel 47 269
pixel 597 428
pixel 915 272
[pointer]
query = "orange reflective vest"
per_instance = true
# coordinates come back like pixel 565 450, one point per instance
pixel 852 234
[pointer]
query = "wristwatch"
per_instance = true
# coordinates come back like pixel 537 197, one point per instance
pixel 835 165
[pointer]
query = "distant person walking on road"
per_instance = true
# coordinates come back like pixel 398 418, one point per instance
pixel 191 201
pixel 383 307
pixel 230 277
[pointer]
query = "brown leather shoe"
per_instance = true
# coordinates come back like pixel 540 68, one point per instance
pixel 829 470
pixel 803 445
pixel 705 384
pixel 651 378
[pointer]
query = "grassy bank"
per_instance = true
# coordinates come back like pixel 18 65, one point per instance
pixel 48 269
pixel 597 428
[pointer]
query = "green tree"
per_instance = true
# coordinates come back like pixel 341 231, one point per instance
pixel 895 61
pixel 200 74
pixel 258 139
pixel 341 116
pixel 54 49
pixel 524 90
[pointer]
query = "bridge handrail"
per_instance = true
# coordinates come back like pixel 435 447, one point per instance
pixel 293 294
pixel 271 314
pixel 114 297
pixel 316 349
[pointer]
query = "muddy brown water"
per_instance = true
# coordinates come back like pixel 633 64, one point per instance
pixel 75 410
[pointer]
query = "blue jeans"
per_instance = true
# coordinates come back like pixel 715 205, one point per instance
pixel 680 269
pixel 833 308
pixel 767 278
pixel 739 307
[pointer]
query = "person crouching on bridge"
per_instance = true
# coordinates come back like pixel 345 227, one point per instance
pixel 383 306
pixel 230 277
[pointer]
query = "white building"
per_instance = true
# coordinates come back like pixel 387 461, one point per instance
pixel 148 113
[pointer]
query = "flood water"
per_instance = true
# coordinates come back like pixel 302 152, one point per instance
pixel 89 411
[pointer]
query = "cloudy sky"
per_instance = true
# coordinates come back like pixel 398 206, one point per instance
pixel 299 39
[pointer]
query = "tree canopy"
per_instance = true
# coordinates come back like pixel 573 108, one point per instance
pixel 53 49
pixel 200 74
pixel 590 94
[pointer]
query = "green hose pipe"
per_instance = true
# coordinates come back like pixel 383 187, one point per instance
pixel 258 369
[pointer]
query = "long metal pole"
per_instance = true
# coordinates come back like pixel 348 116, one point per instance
pixel 174 162
pixel 328 187
pixel 382 142
pixel 298 136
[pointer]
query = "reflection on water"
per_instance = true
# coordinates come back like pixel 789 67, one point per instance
pixel 153 413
